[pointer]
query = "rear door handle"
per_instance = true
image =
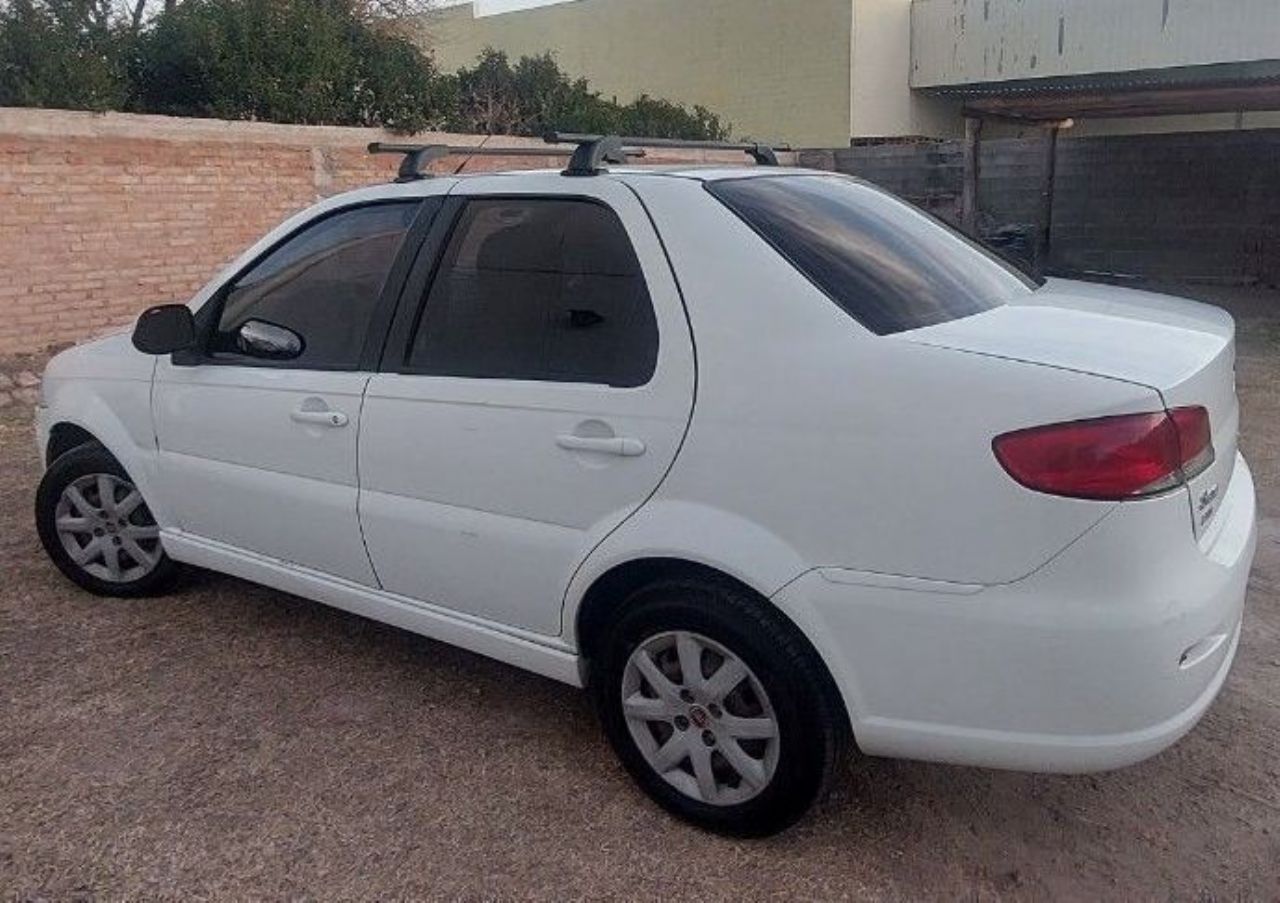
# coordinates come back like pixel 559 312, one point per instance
pixel 623 448
pixel 320 418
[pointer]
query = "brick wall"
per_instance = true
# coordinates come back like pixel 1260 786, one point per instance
pixel 103 215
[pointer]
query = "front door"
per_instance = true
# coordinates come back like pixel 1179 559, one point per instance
pixel 257 430
pixel 541 381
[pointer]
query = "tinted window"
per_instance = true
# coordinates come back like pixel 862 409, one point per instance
pixel 890 266
pixel 538 290
pixel 323 284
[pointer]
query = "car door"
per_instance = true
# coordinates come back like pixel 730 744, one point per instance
pixel 257 428
pixel 536 388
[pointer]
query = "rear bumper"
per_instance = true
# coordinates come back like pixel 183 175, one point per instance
pixel 1103 657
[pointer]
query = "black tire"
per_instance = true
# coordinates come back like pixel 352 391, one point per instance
pixel 811 722
pixel 84 461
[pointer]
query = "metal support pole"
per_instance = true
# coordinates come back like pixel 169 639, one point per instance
pixel 1049 172
pixel 972 173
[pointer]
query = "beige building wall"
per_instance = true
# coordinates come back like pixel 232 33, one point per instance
pixel 882 102
pixel 774 69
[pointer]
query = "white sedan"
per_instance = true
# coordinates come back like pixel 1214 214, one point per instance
pixel 766 459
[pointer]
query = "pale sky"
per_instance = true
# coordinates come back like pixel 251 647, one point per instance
pixel 493 7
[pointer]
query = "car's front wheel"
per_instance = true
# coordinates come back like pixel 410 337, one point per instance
pixel 97 528
pixel 718 706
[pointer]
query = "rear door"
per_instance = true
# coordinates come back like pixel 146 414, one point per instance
pixel 536 388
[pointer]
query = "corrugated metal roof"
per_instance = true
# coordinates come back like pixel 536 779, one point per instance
pixel 1220 75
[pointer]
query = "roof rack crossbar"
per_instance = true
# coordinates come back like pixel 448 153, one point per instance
pixel 762 154
pixel 418 156
pixel 591 154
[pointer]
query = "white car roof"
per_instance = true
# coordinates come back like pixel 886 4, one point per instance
pixel 707 173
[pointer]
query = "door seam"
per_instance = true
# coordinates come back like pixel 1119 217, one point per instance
pixel 364 541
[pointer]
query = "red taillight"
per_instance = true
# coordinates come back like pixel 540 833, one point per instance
pixel 1195 439
pixel 1110 458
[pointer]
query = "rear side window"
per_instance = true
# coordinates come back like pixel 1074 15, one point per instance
pixel 890 266
pixel 538 289
pixel 323 284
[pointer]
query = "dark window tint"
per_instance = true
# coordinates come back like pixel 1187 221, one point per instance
pixel 890 266
pixel 538 290
pixel 323 284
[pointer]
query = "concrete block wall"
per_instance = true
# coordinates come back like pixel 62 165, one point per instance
pixel 1204 206
pixel 928 174
pixel 103 215
pixel 1200 206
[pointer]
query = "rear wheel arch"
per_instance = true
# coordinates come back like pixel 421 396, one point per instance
pixel 648 601
pixel 604 603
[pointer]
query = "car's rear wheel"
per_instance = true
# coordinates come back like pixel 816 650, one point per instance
pixel 718 706
pixel 97 528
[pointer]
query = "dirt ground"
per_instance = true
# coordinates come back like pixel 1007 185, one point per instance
pixel 233 742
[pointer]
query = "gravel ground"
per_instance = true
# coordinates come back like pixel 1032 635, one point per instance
pixel 230 742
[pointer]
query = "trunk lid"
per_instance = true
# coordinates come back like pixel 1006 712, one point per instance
pixel 1182 349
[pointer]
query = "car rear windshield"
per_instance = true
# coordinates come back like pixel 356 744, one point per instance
pixel 891 266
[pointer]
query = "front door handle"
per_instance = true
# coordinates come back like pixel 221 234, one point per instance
pixel 623 448
pixel 320 418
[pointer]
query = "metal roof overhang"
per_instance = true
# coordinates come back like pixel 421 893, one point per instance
pixel 1224 88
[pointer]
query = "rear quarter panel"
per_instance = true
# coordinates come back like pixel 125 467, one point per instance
pixel 828 446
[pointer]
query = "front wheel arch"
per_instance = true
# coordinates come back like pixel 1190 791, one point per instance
pixel 64 437
pixel 86 462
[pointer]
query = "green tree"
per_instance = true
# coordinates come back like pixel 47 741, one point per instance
pixel 62 53
pixel 304 61
pixel 331 62
pixel 534 96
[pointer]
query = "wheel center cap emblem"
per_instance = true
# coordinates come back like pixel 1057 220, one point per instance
pixel 698 715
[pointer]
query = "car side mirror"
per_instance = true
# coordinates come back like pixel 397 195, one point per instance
pixel 257 338
pixel 165 329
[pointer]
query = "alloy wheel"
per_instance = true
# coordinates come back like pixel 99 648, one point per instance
pixel 700 717
pixel 106 528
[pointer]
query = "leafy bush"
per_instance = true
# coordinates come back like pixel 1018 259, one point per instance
pixel 332 62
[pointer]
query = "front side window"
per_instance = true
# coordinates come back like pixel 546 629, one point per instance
pixel 538 289
pixel 890 266
pixel 310 301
